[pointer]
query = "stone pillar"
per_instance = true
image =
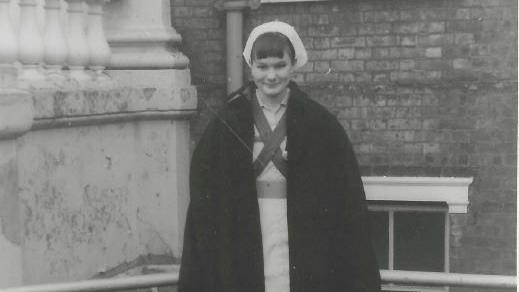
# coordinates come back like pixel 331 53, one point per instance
pixel 16 115
pixel 141 36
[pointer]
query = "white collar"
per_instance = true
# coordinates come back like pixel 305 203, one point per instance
pixel 283 103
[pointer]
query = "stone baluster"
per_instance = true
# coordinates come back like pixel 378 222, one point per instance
pixel 30 44
pixel 78 54
pixel 9 47
pixel 97 43
pixel 56 49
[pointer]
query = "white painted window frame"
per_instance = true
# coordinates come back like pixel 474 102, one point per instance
pixel 390 210
pixel 453 191
pixel 450 190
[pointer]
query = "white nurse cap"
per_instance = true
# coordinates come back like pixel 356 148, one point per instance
pixel 284 29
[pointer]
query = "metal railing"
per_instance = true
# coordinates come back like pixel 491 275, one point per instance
pixel 171 279
pixel 110 284
pixel 448 279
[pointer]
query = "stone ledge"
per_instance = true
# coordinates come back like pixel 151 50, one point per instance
pixel 153 59
pixel 76 121
pixel 21 111
pixel 54 104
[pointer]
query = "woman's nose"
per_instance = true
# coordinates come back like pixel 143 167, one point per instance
pixel 271 74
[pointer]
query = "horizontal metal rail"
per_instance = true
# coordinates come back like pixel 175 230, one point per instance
pixel 171 279
pixel 109 284
pixel 448 279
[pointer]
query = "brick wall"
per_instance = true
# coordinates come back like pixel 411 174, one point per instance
pixel 423 87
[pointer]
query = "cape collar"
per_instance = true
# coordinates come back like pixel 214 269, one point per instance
pixel 264 105
pixel 240 119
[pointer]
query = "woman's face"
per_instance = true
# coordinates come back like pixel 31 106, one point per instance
pixel 272 74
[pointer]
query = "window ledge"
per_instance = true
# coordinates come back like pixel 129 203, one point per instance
pixel 451 190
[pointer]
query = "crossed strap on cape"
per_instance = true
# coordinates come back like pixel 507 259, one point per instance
pixel 271 139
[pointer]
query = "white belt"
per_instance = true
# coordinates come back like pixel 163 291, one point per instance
pixel 271 189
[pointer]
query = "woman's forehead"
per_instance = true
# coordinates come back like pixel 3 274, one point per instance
pixel 273 59
pixel 261 54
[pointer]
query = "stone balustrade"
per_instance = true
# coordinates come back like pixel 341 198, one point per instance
pixel 71 43
pixel 51 42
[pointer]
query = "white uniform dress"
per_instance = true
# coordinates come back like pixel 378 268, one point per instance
pixel 273 211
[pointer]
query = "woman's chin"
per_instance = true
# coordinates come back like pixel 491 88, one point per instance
pixel 272 92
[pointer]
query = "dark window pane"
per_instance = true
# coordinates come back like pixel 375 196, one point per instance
pixel 380 237
pixel 419 241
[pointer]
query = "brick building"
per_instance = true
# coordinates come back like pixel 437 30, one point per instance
pixel 423 88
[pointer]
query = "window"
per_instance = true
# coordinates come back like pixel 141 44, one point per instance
pixel 409 219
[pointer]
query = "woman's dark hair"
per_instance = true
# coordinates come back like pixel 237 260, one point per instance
pixel 272 44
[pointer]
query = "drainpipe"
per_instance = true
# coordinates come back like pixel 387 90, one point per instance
pixel 234 37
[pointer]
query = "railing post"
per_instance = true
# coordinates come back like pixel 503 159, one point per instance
pixel 98 46
pixel 9 47
pixel 56 49
pixel 30 42
pixel 79 54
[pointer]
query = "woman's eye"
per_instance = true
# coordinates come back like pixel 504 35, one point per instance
pixel 281 66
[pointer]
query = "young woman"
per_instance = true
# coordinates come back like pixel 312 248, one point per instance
pixel 277 203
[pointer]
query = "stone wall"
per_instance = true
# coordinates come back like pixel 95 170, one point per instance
pixel 424 88
pixel 94 180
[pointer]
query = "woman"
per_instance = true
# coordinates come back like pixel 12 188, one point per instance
pixel 277 203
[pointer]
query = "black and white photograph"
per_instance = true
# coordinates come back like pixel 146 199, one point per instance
pixel 258 145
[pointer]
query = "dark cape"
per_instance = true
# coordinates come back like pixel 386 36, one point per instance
pixel 330 248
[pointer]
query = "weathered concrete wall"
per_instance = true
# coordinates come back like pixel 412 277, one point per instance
pixel 424 88
pixel 98 183
pixel 96 197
